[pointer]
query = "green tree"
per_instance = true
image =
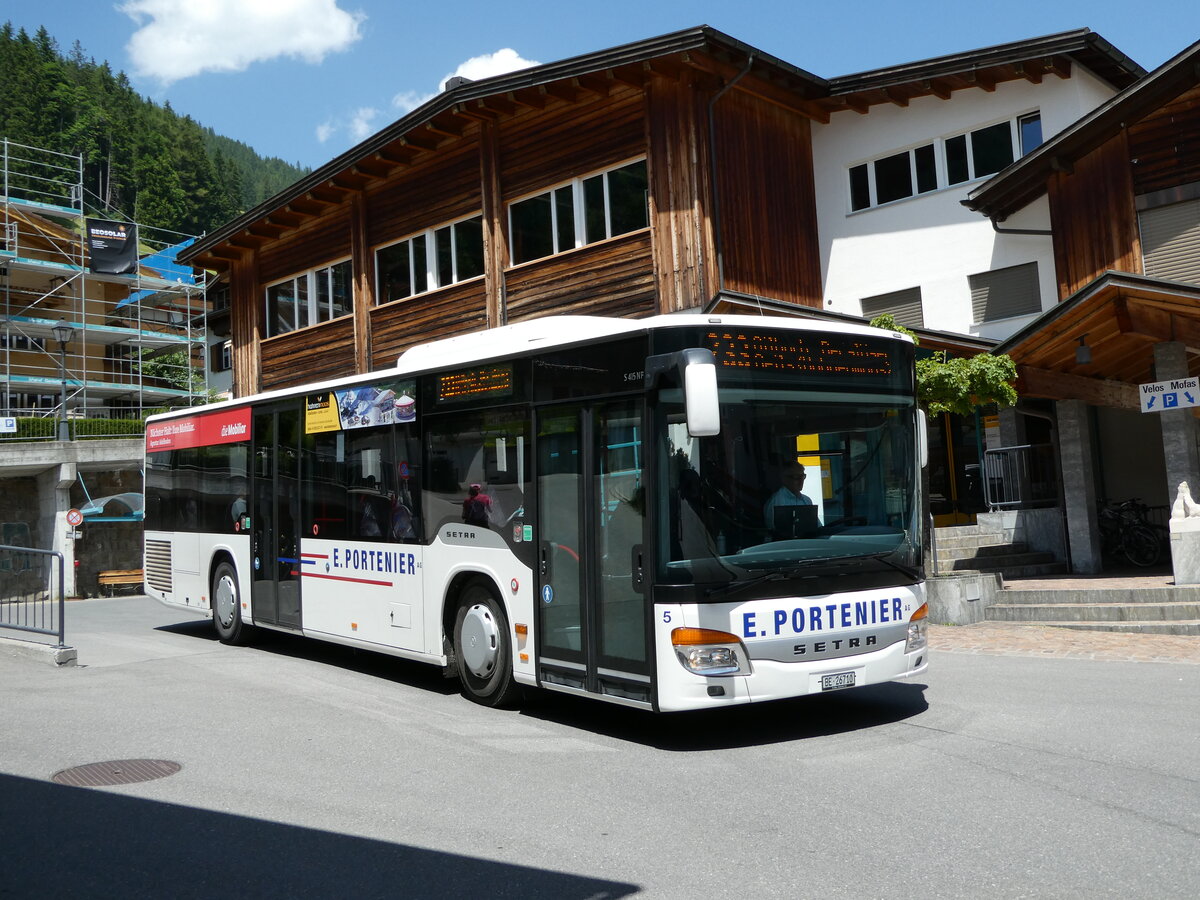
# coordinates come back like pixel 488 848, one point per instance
pixel 959 384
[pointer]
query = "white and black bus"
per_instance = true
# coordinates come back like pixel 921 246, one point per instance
pixel 673 513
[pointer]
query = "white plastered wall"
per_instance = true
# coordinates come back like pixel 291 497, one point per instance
pixel 932 241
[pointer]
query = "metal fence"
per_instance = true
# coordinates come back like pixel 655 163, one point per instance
pixel 1022 477
pixel 31 591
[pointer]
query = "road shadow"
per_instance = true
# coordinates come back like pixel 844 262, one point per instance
pixel 750 725
pixel 718 729
pixel 83 842
pixel 367 662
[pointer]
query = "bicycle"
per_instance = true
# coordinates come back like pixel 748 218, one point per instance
pixel 1124 531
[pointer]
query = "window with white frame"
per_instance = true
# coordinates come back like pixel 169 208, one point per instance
pixel 582 211
pixel 318 295
pixel 221 359
pixel 433 259
pixel 1004 293
pixel 963 157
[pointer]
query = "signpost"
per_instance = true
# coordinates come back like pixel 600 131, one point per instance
pixel 1162 396
pixel 8 424
pixel 74 517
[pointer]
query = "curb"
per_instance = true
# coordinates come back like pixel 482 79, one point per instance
pixel 56 656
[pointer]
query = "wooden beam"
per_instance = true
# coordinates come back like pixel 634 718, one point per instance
pixel 443 129
pixel 1031 71
pixel 350 180
pixel 395 153
pixel 497 104
pixel 635 78
pixel 860 106
pixel 560 89
pixel 938 88
pixel 287 217
pixel 1059 65
pixel 410 140
pixel 594 83
pixel 528 97
pixel 1033 382
pixel 268 229
pixel 329 193
pixel 248 240
pixel 375 167
pixel 894 97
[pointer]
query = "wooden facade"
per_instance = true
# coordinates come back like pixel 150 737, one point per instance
pixel 690 116
pixel 725 133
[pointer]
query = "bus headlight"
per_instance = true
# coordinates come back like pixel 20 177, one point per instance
pixel 704 651
pixel 916 629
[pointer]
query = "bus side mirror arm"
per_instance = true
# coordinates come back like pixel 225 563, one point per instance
pixel 696 369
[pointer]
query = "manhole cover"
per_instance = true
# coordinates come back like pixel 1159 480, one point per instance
pixel 117 771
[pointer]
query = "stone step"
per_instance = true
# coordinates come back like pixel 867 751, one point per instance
pixel 1177 627
pixel 965 542
pixel 1043 570
pixel 1093 612
pixel 952 553
pixel 962 531
pixel 1015 594
pixel 1005 562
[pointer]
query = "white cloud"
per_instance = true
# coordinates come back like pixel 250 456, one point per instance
pixel 499 63
pixel 358 125
pixel 362 122
pixel 181 38
pixel 477 67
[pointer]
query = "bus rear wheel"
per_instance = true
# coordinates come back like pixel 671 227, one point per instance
pixel 227 606
pixel 483 648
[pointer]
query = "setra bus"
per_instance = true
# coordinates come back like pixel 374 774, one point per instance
pixel 673 513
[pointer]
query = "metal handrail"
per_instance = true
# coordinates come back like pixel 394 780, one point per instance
pixel 31 615
pixel 1020 477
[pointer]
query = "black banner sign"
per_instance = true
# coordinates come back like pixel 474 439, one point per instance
pixel 112 246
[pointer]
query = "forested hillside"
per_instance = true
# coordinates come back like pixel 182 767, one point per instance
pixel 140 158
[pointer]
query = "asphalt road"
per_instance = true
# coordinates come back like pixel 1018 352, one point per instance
pixel 310 770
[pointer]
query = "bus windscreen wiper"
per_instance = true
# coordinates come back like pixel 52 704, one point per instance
pixel 795 569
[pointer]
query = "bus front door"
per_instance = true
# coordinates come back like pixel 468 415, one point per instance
pixel 274 517
pixel 593 619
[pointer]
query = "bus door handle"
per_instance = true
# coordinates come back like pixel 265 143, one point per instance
pixel 636 568
pixel 544 561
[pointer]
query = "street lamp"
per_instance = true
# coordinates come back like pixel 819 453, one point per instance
pixel 63 334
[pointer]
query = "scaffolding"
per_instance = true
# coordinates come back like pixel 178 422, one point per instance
pixel 136 341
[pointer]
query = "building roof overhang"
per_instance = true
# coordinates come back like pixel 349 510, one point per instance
pixel 1026 179
pixel 984 68
pixel 733 303
pixel 1119 317
pixel 710 52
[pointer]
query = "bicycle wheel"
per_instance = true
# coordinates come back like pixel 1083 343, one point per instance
pixel 1140 545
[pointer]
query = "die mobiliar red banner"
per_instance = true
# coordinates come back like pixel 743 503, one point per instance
pixel 226 427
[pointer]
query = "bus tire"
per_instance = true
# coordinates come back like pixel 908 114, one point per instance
pixel 226 606
pixel 483 648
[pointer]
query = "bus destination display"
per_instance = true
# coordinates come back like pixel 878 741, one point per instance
pixel 810 354
pixel 476 384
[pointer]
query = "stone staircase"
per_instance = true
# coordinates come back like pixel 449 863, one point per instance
pixel 977 548
pixel 975 581
pixel 1144 610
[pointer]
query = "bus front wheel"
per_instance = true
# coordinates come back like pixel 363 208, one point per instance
pixel 483 648
pixel 226 606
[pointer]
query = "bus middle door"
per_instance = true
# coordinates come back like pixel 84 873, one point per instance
pixel 592 613
pixel 274 516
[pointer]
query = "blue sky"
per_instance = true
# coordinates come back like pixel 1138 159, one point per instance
pixel 306 79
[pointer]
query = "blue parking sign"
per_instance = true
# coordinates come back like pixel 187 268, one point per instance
pixel 1170 400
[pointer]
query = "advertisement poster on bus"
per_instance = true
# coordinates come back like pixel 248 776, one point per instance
pixel 361 407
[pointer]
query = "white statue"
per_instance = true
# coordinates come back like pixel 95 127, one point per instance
pixel 1184 506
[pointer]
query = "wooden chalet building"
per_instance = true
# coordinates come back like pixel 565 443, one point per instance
pixel 649 178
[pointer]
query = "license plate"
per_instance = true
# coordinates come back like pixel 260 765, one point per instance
pixel 837 681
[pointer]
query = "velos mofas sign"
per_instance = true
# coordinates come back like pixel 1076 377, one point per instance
pixel 1177 393
pixel 226 427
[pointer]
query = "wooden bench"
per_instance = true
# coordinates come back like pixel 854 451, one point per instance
pixel 119 578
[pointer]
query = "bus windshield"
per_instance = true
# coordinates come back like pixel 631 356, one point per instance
pixel 795 479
